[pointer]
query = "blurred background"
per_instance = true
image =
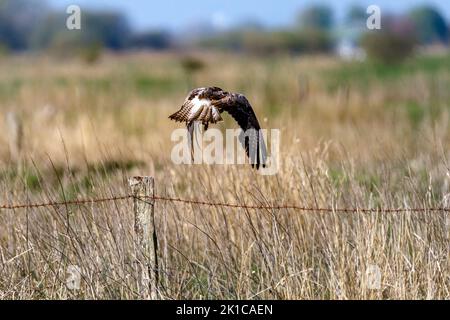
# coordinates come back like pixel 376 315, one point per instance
pixel 256 27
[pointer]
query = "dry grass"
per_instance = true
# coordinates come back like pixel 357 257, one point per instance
pixel 349 139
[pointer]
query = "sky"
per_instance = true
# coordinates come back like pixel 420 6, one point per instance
pixel 175 15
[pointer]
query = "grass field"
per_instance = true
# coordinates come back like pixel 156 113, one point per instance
pixel 352 135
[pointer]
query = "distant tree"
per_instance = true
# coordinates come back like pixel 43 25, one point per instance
pixel 47 31
pixel 316 17
pixel 18 19
pixel 105 29
pixel 226 41
pixel 303 41
pixel 356 15
pixel 111 29
pixel 157 39
pixel 267 43
pixel 430 25
pixel 393 43
pixel 387 48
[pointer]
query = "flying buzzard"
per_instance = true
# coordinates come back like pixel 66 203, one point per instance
pixel 206 105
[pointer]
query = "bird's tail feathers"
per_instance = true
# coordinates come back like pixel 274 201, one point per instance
pixel 255 147
pixel 262 150
pixel 190 128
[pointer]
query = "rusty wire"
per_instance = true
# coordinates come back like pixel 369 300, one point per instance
pixel 221 204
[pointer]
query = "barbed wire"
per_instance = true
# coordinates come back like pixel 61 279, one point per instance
pixel 62 203
pixel 221 204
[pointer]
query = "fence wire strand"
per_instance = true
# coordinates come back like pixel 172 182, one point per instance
pixel 220 204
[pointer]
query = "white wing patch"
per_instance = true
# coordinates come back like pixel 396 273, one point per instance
pixel 197 106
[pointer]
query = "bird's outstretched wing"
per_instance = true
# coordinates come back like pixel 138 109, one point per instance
pixel 199 106
pixel 251 138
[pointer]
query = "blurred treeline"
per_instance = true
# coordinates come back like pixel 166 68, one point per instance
pixel 33 25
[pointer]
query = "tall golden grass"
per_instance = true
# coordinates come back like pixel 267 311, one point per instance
pixel 362 140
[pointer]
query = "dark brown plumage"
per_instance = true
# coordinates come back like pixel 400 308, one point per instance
pixel 206 105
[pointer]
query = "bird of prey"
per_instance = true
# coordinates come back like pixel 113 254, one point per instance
pixel 206 105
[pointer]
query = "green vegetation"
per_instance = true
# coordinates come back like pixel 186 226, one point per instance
pixel 368 73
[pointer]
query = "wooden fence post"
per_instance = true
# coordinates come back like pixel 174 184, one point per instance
pixel 142 189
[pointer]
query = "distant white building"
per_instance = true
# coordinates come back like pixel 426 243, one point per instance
pixel 349 51
pixel 348 47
